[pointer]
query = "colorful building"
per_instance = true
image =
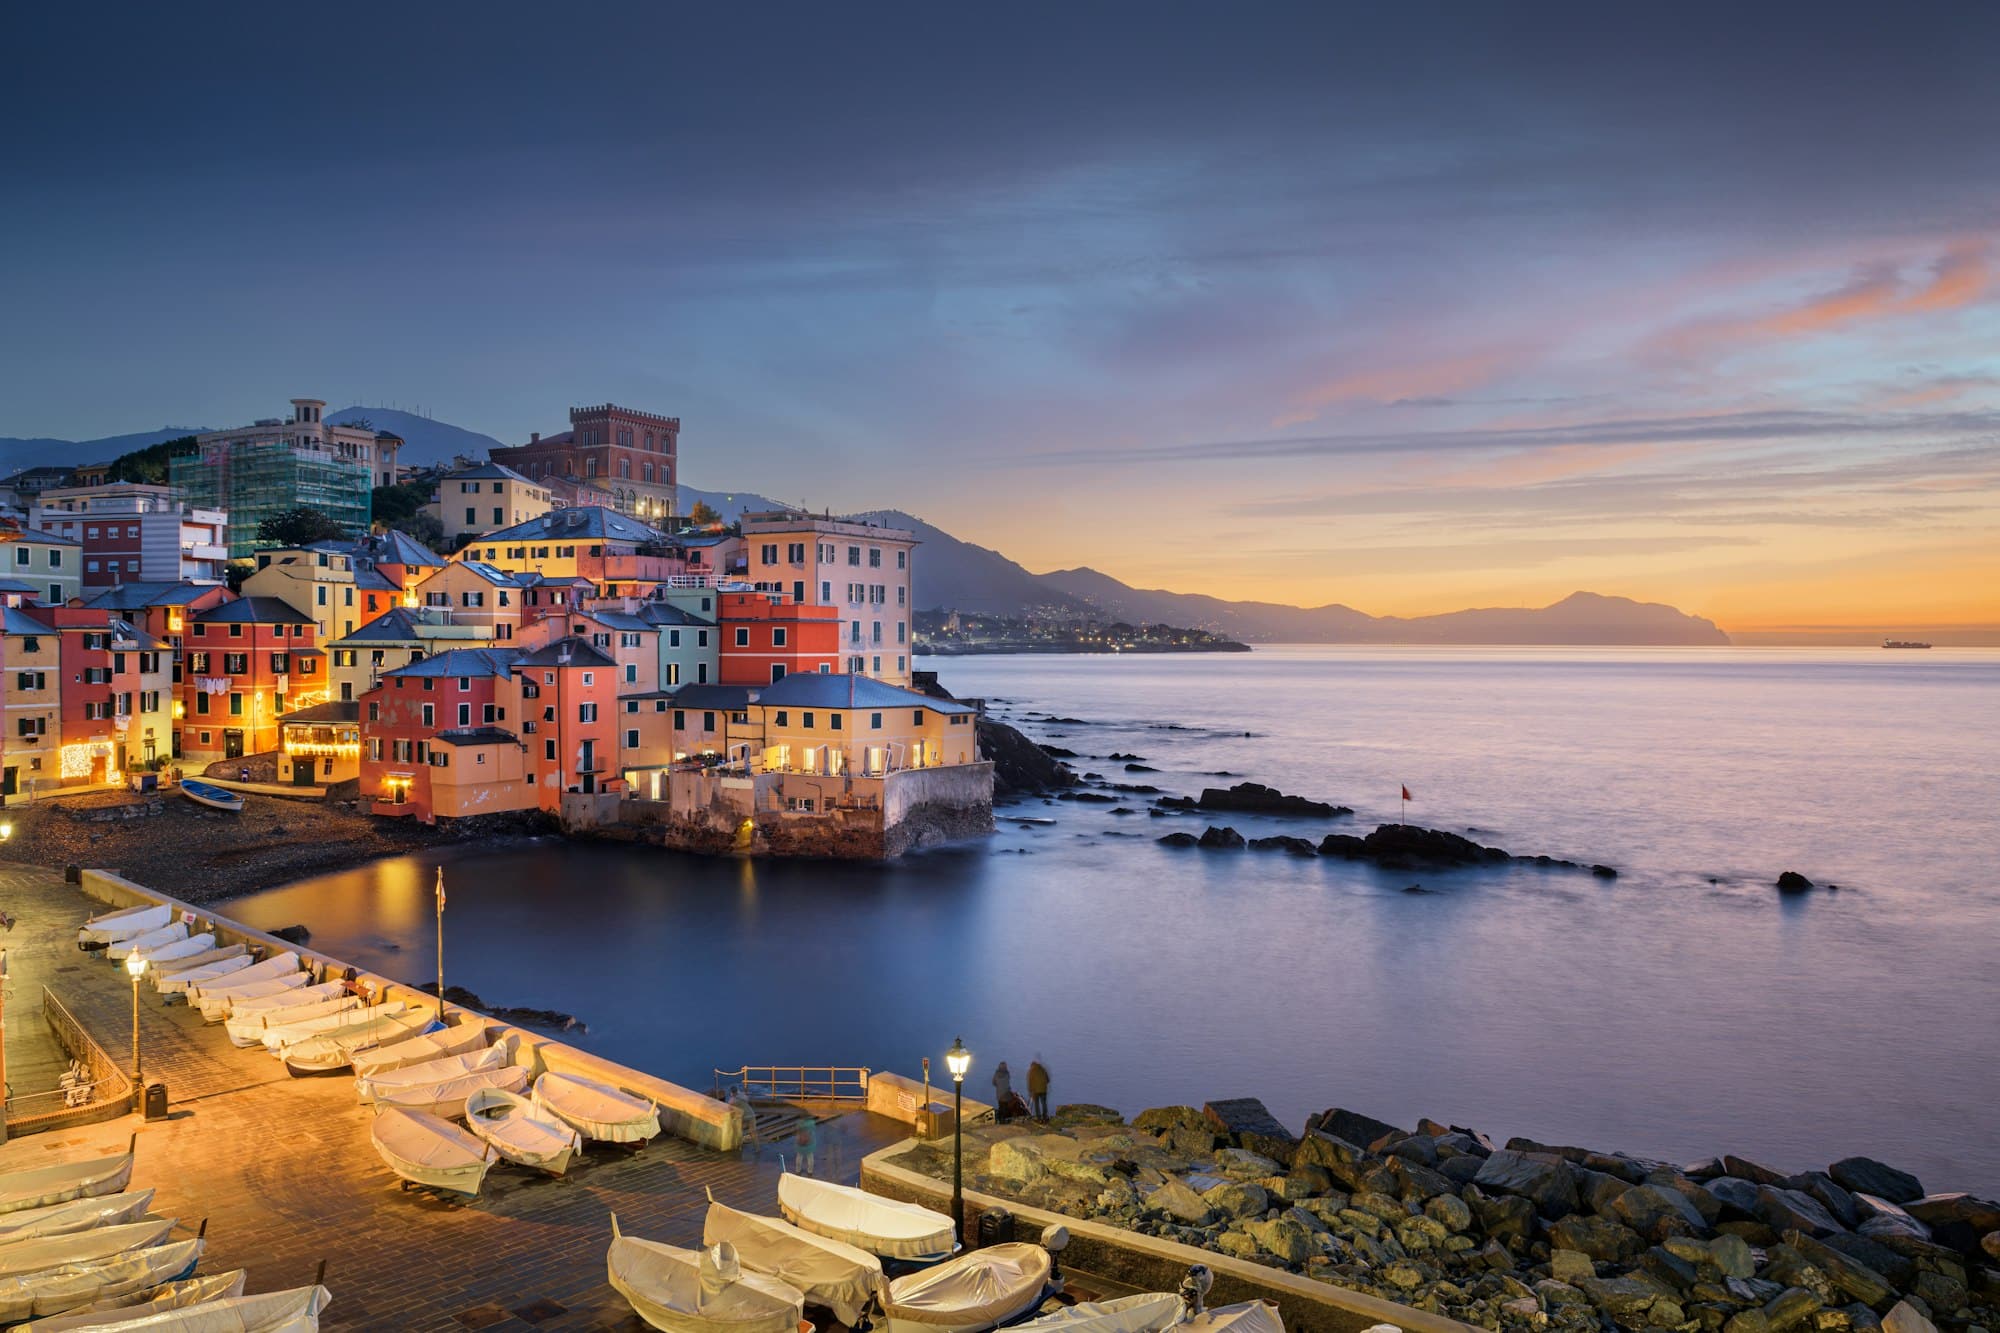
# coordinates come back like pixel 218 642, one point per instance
pixel 569 705
pixel 117 696
pixel 689 647
pixel 766 636
pixel 395 639
pixel 316 581
pixel 593 543
pixel 271 466
pixel 136 533
pixel 475 594
pixel 860 568
pixel 32 744
pixel 633 455
pixel 45 561
pixel 246 663
pixel 439 741
pixel 392 561
pixel 320 745
pixel 486 498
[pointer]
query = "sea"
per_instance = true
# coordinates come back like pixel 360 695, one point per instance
pixel 1681 1010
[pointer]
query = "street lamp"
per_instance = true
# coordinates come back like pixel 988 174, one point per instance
pixel 135 967
pixel 958 1060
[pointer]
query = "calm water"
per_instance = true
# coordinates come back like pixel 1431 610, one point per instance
pixel 1684 1009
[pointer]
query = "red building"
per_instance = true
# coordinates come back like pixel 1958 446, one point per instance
pixel 766 637
pixel 440 737
pixel 633 455
pixel 115 690
pixel 244 663
pixel 569 709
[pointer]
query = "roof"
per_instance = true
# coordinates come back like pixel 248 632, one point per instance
pixel 648 694
pixel 394 626
pixel 476 736
pixel 486 472
pixel 488 572
pixel 581 523
pixel 366 578
pixel 14 532
pixel 139 596
pixel 461 662
pixel 722 698
pixel 340 710
pixel 622 620
pixel 125 629
pixel 666 613
pixel 395 548
pixel 15 585
pixel 252 611
pixel 812 689
pixel 571 651
pixel 20 622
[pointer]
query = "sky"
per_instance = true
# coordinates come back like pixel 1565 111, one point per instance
pixel 1409 307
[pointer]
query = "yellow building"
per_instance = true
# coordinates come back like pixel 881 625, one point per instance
pixel 33 693
pixel 396 639
pixel 811 722
pixel 315 581
pixel 321 745
pixel 475 594
pixel 478 500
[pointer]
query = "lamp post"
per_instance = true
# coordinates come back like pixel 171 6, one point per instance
pixel 135 967
pixel 958 1060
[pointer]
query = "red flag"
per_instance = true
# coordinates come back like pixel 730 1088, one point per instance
pixel 1407 796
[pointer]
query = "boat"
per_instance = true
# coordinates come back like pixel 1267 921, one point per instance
pixel 1147 1312
pixel 291 997
pixel 177 983
pixel 124 923
pixel 698 1291
pixel 284 964
pixel 58 1290
pixel 885 1227
pixel 284 1029
pixel 975 1291
pixel 520 1131
pixel 830 1274
pixel 446 1097
pixel 430 1071
pixel 1242 1317
pixel 23 1257
pixel 425 1150
pixel 248 1027
pixel 293 1311
pixel 464 1039
pixel 115 1310
pixel 60 1219
pixel 192 962
pixel 597 1110
pixel 171 933
pixel 328 1051
pixel 185 948
pixel 1903 643
pixel 45 1185
pixel 219 1002
pixel 216 798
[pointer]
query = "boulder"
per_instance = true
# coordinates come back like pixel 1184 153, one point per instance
pixel 1507 1218
pixel 1990 1243
pixel 1661 1263
pixel 1857 1279
pixel 1791 1308
pixel 1830 1196
pixel 1450 1211
pixel 1747 1321
pixel 1598 1237
pixel 1791 881
pixel 1957 1220
pixel 1169 1117
pixel 1882 1219
pixel 1745 1169
pixel 1418 1148
pixel 1354 1127
pixel 1904 1318
pixel 1785 1210
pixel 1242 1164
pixel 1625 1300
pixel 1248 1125
pixel 1898 1271
pixel 1656 1212
pixel 1570 1266
pixel 1408 847
pixel 1460 1170
pixel 1284 843
pixel 1016 1159
pixel 1403 1274
pixel 1255 798
pixel 1542 1179
pixel 1219 838
pixel 1598 1189
pixel 1737 1196
pixel 1944 1293
pixel 1237 1199
pixel 1418 1182
pixel 1732 1256
pixel 1179 840
pixel 1238 1244
pixel 1286 1239
pixel 1177 1201
pixel 1865 1175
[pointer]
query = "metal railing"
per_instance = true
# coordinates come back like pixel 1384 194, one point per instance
pixel 97 1083
pixel 818 1083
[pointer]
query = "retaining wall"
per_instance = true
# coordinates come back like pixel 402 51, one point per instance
pixel 683 1112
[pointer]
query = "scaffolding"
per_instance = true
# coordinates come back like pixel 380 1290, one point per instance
pixel 259 479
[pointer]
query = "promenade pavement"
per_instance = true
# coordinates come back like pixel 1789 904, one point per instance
pixel 283 1170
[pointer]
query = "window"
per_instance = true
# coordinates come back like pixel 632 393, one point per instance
pixel 321 590
pixel 631 739
pixel 769 553
pixel 281 663
pixel 742 637
pixel 236 664
pixel 29 680
pixel 902 632
pixel 465 715
pixel 201 702
pixel 806 721
pixel 701 638
pixel 680 719
pixel 916 717
pixel 375 749
pixel 440 759
pixel 673 674
pixel 631 672
pixel 590 678
pixel 55 559
pixel 796 553
pixel 854 555
pixel 464 684
pixel 783 717
pixel 586 712
pixel 236 705
pixel 235 630
pixel 430 715
pixel 833 720
pixel 374 711
pixel 778 638
pixel 400 751
pixel 875 557
pixel 34 727
pixel 549 750
pixel 673 638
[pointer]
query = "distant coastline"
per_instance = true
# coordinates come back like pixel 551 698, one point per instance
pixel 1004 646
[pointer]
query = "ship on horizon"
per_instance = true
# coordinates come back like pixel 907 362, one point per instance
pixel 1903 643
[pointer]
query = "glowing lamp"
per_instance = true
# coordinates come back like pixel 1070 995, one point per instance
pixel 6 832
pixel 958 1060
pixel 135 966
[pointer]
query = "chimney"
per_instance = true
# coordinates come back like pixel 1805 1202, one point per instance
pixel 534 437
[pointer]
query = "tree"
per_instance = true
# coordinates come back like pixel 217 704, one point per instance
pixel 392 505
pixel 299 527
pixel 702 516
pixel 422 526
pixel 149 465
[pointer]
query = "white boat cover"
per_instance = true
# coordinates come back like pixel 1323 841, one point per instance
pixel 283 1029
pixel 219 1002
pixel 60 1219
pixel 81 1247
pixel 420 1050
pixel 179 982
pixel 1242 1317
pixel 976 1290
pixel 1148 1312
pixel 291 997
pixel 171 933
pixel 597 1110
pixel 430 1071
pixel 446 1097
pixel 831 1275
pixel 179 949
pixel 124 923
pixel 44 1185
pixel 335 1049
pixel 59 1289
pixel 519 1131
pixel 166 1296
pixel 888 1227
pixel 694 1291
pixel 190 962
pixel 247 1027
pixel 294 1311
pixel 284 964
pixel 430 1151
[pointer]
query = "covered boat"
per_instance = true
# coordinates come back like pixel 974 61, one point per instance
pixel 466 1037
pixel 972 1292
pixel 446 1097
pixel 44 1185
pixel 56 1290
pixel 249 1027
pixel 179 949
pixel 60 1219
pixel 885 1227
pixel 333 1050
pixel 1148 1312
pixel 219 1002
pixel 171 933
pixel 698 1291
pixel 284 964
pixel 285 1029
pixel 597 1110
pixel 430 1071
pixel 425 1150
pixel 1242 1317
pixel 81 1247
pixel 177 983
pixel 520 1131
pixel 124 923
pixel 291 997
pixel 294 1311
pixel 116 1310
pixel 216 798
pixel 830 1274
pixel 192 962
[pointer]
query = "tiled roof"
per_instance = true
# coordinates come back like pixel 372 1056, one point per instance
pixel 476 736
pixel 137 596
pixel 566 652
pixel 812 689
pixel 666 613
pixel 485 472
pixel 722 698
pixel 395 548
pixel 584 523
pixel 370 581
pixel 340 710
pixel 461 662
pixel 20 622
pixel 252 611
pixel 488 572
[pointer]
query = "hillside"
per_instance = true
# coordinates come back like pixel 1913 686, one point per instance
pixel 17 452
pixel 426 442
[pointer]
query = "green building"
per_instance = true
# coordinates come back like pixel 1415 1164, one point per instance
pixel 262 470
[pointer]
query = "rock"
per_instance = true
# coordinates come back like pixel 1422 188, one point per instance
pixel 1255 798
pixel 1311 1179
pixel 1508 1218
pixel 1861 1319
pixel 1598 1189
pixel 1236 1199
pixel 1248 1125
pixel 1284 843
pixel 1554 1293
pixel 1793 882
pixel 1570 1265
pixel 1747 1321
pixel 1706 1205
pixel 1957 1220
pixel 293 934
pixel 1240 1244
pixel 1418 1182
pixel 1408 847
pixel 1283 1237
pixel 1866 1251
pixel 1990 1243
pixel 1224 838
pixel 1737 1196
pixel 1312 1222
pixel 1882 1219
pixel 1656 1212
pixel 1790 1308
pixel 1625 1299
pixel 1016 1159
pixel 1543 1180
pixel 1404 1274
pixel 1354 1127
pixel 1732 1256
pixel 1669 1268
pixel 1383 1206
pixel 1418 1148
pixel 1179 840
pixel 1784 1210
pixel 1904 1318
pixel 1604 872
pixel 1019 765
pixel 1449 1211
pixel 1117 1196
pixel 1241 1164
pixel 1158 1118
pixel 1598 1237
pixel 1177 1201
pixel 1190 1143
pixel 1944 1293
pixel 1865 1175
pixel 1840 1204
pixel 1753 1290
pixel 1745 1169
pixel 1460 1170
pixel 1857 1279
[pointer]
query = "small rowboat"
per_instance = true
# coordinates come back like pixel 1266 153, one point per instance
pixel 446 1097
pixel 60 1219
pixel 521 1132
pixel 219 1002
pixel 177 983
pixel 466 1038
pixel 195 962
pixel 366 1086
pixel 294 1311
pixel 248 1027
pixel 830 1275
pixel 885 1227
pixel 698 1291
pixel 217 798
pixel 329 1051
pixel 286 1029
pixel 284 964
pixel 971 1293
pixel 116 1310
pixel 425 1150
pixel 290 997
pixel 124 924
pixel 597 1110
pixel 62 1289
pixel 171 933
pixel 24 1257
pixel 45 1185
pixel 1242 1317
pixel 179 949
pixel 1148 1312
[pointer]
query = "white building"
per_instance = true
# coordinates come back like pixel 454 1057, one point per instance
pixel 135 533
pixel 859 567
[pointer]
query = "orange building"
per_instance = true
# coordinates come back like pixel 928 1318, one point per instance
pixel 766 636
pixel 245 662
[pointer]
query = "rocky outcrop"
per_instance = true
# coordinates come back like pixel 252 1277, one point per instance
pixel 1019 765
pixel 1215 838
pixel 1793 882
pixel 1255 798
pixel 1410 847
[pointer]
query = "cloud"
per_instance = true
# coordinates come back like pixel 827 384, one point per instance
pixel 1403 385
